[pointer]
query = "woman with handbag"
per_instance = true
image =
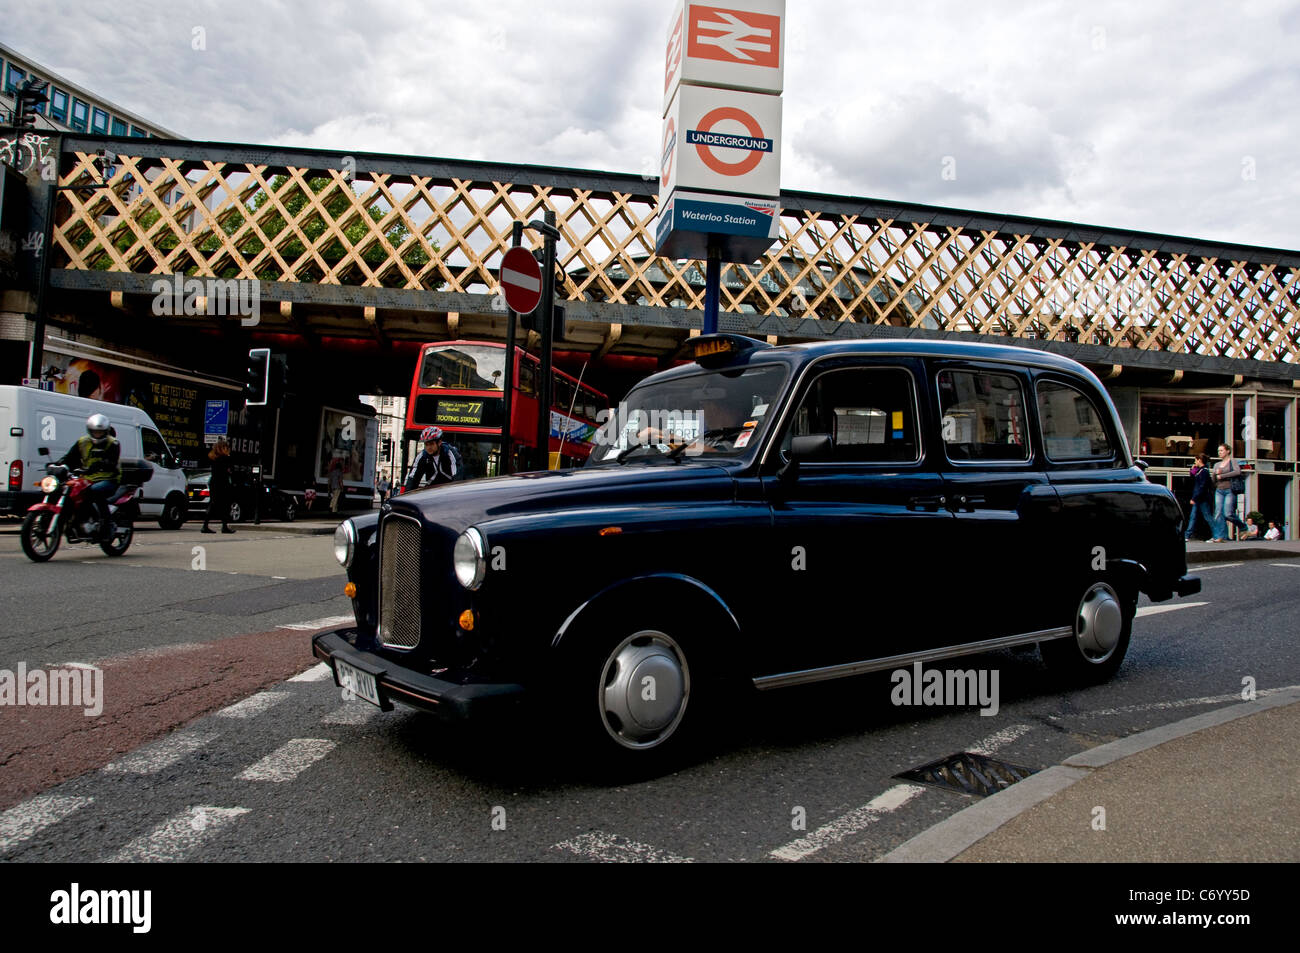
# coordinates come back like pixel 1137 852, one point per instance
pixel 1229 482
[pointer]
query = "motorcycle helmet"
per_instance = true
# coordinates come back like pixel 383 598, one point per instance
pixel 98 427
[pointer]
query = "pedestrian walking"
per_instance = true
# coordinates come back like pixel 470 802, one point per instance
pixel 1202 497
pixel 219 488
pixel 1229 483
pixel 383 488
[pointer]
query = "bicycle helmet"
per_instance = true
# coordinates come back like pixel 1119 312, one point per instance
pixel 430 433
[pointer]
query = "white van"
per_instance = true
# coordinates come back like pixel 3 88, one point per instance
pixel 31 419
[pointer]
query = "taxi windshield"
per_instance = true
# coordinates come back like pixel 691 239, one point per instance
pixel 713 413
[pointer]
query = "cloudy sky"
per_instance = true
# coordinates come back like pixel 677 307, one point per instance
pixel 1177 116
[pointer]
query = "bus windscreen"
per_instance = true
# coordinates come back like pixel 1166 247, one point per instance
pixel 463 367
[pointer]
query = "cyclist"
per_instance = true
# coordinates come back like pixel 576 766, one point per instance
pixel 435 463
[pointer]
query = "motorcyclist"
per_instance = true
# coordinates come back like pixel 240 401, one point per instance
pixel 98 455
pixel 436 462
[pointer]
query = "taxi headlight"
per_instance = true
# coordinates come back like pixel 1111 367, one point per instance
pixel 468 558
pixel 49 485
pixel 345 543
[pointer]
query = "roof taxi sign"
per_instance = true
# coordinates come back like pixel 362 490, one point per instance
pixel 737 45
pixel 722 141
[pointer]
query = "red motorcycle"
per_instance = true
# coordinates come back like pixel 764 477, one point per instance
pixel 67 511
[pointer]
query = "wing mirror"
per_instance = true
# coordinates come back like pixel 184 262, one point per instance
pixel 808 449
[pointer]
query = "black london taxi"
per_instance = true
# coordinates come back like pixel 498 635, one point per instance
pixel 764 517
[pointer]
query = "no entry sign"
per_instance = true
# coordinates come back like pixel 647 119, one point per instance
pixel 521 280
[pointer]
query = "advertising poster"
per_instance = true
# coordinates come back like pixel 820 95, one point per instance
pixel 347 443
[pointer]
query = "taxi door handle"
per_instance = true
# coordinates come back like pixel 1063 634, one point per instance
pixel 963 503
pixel 929 504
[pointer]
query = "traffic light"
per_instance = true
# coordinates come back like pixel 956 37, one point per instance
pixel 257 378
pixel 29 101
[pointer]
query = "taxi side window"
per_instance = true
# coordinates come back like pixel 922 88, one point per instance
pixel 1072 426
pixel 982 416
pixel 870 413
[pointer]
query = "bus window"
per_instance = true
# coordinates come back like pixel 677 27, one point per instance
pixel 528 378
pixel 463 367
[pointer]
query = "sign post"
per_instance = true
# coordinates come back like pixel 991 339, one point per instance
pixel 720 167
pixel 512 319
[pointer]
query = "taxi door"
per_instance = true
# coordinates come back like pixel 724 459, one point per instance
pixel 1001 570
pixel 858 531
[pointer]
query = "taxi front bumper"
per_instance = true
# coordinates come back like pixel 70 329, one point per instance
pixel 449 699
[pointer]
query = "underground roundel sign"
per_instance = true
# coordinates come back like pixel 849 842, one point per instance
pixel 722 140
pixel 716 149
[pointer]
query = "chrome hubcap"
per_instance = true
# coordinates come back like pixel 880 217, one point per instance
pixel 1099 622
pixel 644 687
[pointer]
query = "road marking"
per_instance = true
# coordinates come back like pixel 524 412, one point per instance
pixel 314 674
pixel 154 757
pixel 26 820
pixel 253 705
pixel 279 577
pixel 1156 610
pixel 287 761
pixel 175 838
pixel 325 623
pixel 1180 703
pixel 351 713
pixel 611 848
pixel 1287 565
pixel 849 824
pixel 1218 566
pixel 998 739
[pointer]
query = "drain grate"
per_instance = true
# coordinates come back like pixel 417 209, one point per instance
pixel 968 773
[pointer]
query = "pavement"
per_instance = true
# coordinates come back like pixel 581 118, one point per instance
pixel 1216 787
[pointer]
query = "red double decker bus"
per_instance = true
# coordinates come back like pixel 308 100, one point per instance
pixel 458 386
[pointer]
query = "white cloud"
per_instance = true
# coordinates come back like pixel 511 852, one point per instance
pixel 1120 114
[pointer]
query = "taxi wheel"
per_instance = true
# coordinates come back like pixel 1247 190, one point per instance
pixel 1102 628
pixel 631 700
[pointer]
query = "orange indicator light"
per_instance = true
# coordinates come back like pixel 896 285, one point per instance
pixel 350 590
pixel 467 620
pixel 611 531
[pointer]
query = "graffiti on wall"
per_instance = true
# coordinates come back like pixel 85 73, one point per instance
pixel 26 151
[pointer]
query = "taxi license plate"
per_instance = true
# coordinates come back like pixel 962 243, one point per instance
pixel 362 684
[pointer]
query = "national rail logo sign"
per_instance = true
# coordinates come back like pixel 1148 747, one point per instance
pixel 719 140
pixel 734 36
pixel 726 47
pixel 673 59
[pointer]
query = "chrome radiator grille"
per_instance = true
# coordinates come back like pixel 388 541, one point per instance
pixel 399 582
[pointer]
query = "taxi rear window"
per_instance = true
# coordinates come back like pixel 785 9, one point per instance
pixel 982 416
